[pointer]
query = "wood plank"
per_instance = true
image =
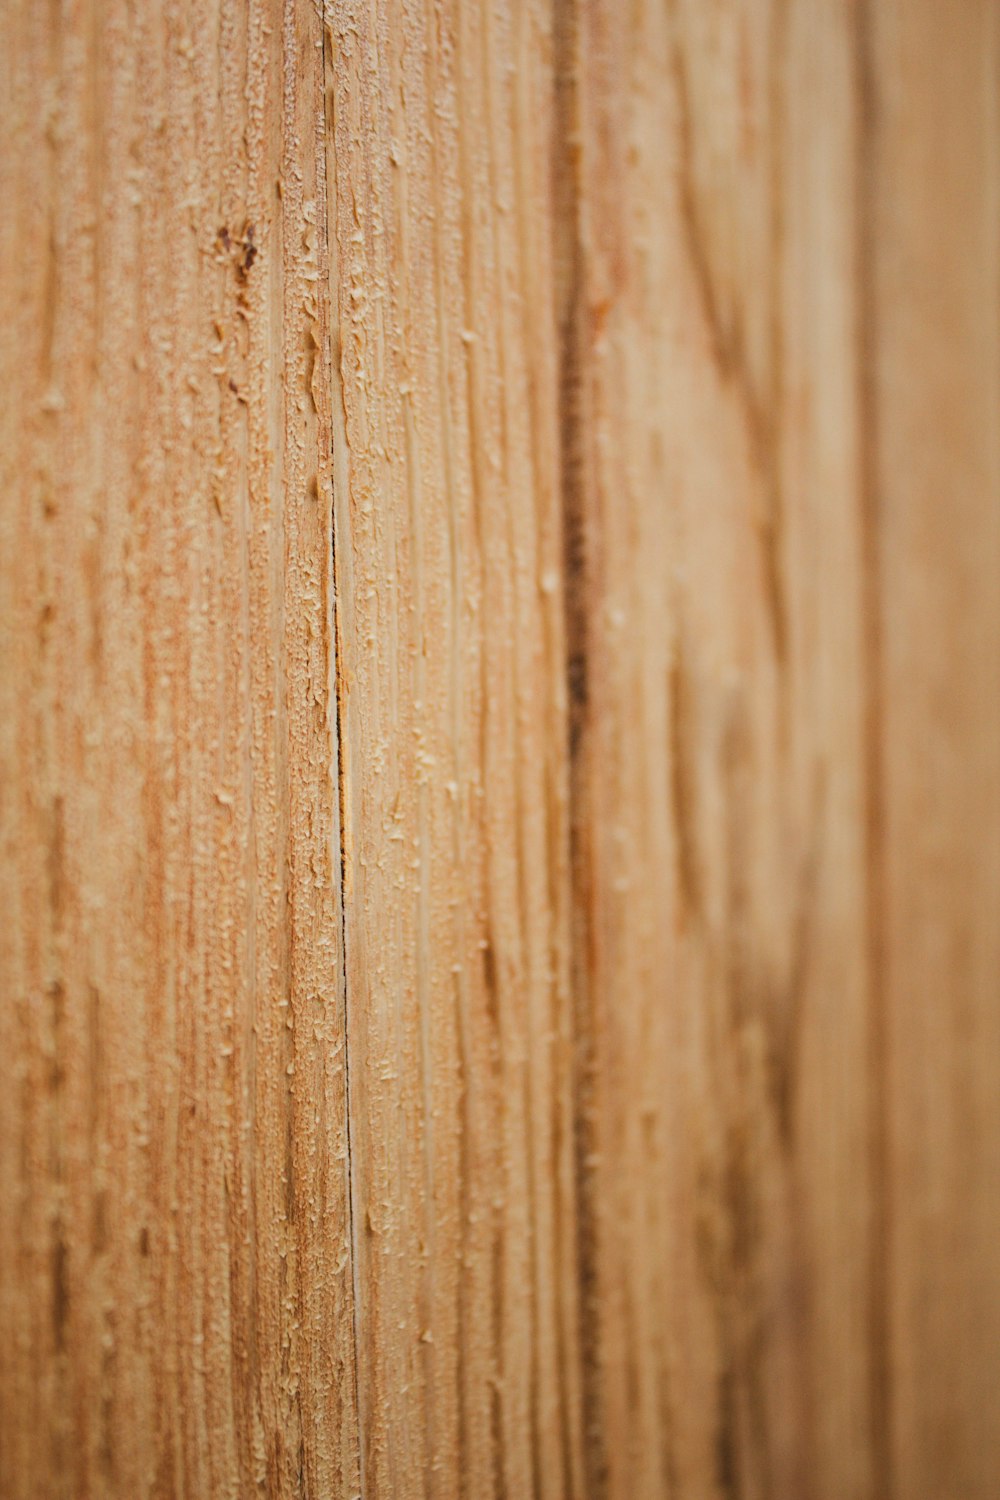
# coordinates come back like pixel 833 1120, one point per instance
pixel 716 570
pixel 176 1297
pixel 447 549
pixel 936 396
pixel 500 749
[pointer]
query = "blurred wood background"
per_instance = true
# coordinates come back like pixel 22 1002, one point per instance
pixel 500 749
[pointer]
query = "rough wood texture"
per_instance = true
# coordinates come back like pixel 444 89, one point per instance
pixel 176 1290
pixel 447 554
pixel 500 750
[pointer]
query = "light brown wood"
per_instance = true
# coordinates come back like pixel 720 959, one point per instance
pixel 500 750
pixel 719 780
pixel 935 399
pixel 176 1290
pixel 447 524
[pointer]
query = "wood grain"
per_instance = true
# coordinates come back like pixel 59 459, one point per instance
pixel 500 750
pixel 447 547
pixel 718 608
pixel 177 1293
pixel 935 384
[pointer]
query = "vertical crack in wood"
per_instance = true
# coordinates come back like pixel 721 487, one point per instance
pixel 339 727
pixel 570 253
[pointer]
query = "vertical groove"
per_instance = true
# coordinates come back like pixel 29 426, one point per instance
pixel 569 253
pixel 340 734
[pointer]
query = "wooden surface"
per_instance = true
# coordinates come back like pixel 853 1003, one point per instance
pixel 177 1286
pixel 500 750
